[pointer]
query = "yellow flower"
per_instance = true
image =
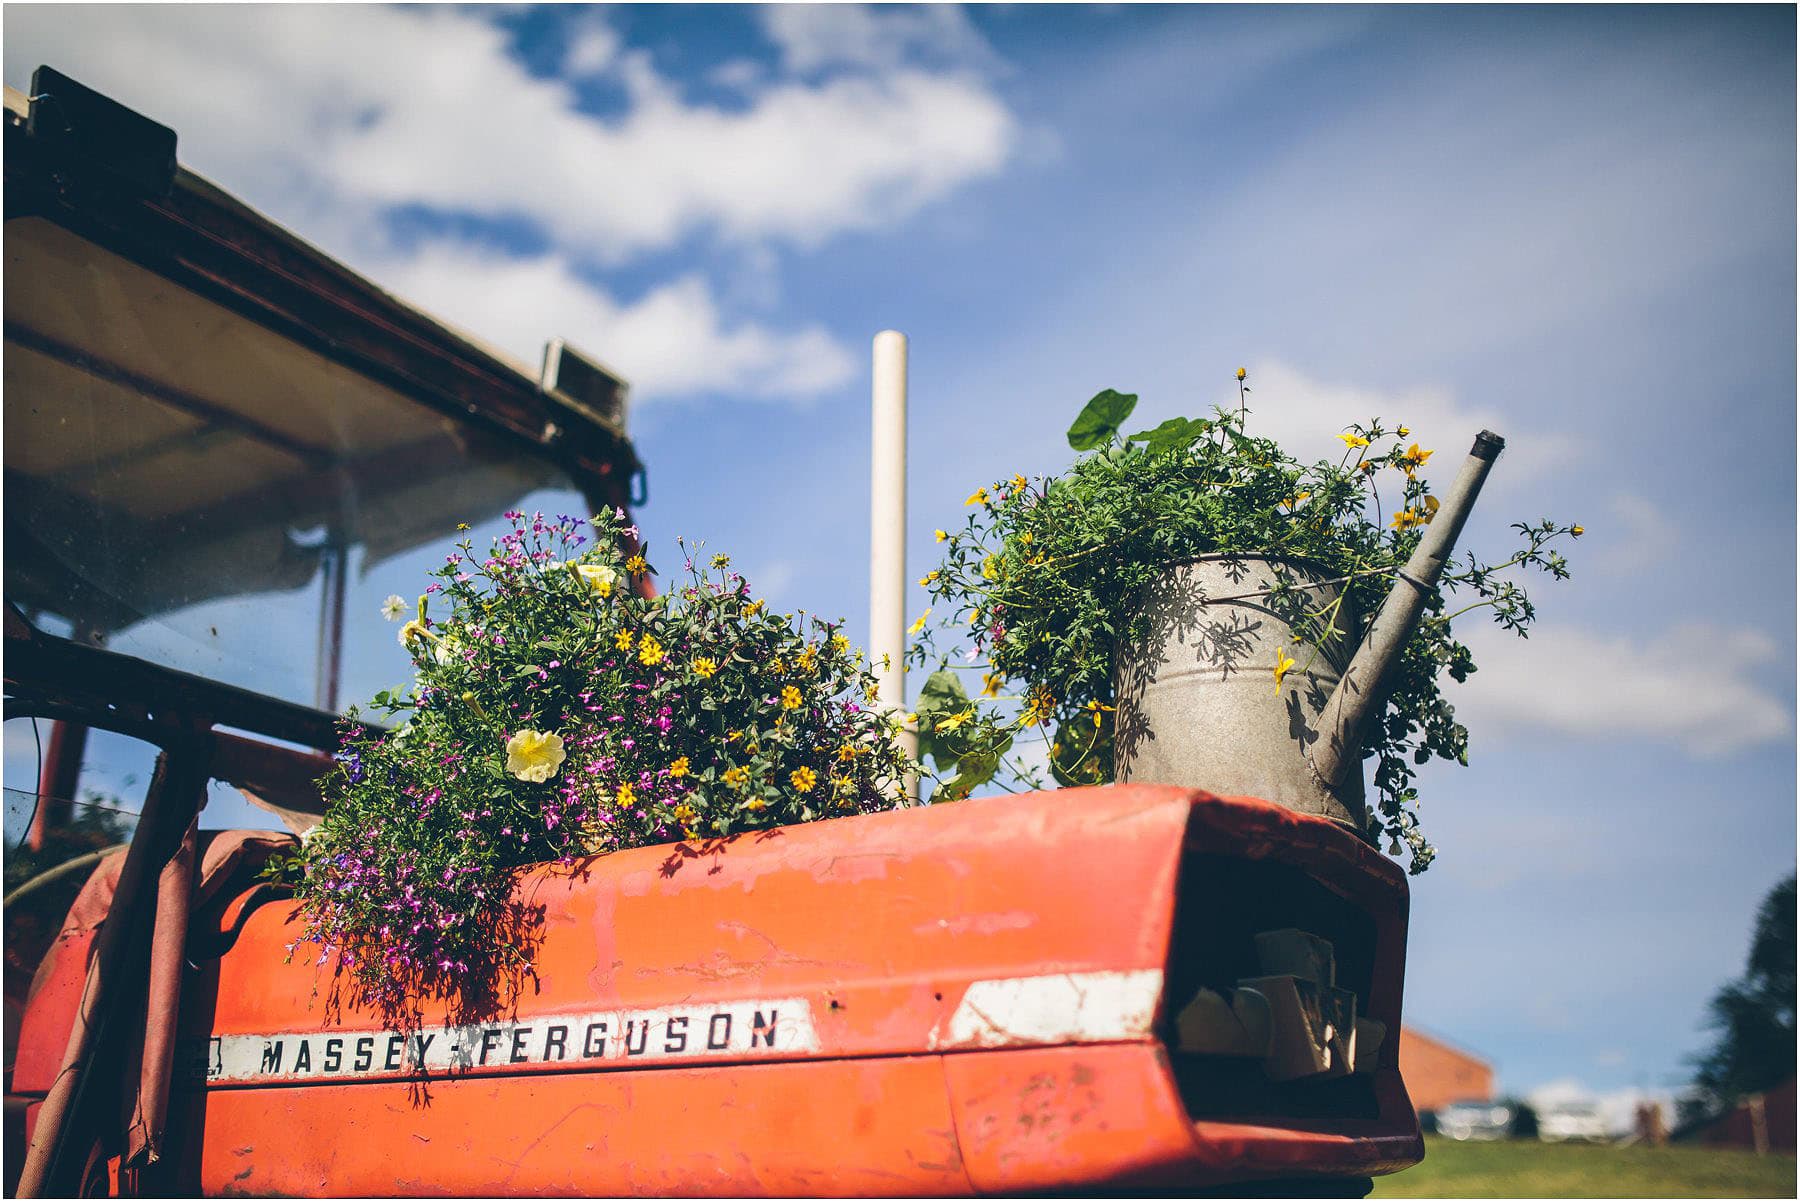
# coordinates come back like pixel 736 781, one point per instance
pixel 679 768
pixel 954 720
pixel 790 698
pixel 979 496
pixel 626 795
pixel 1414 458
pixel 1296 499
pixel 872 693
pixel 1025 539
pixel 1403 431
pixel 803 779
pixel 1241 373
pixel 721 561
pixel 414 629
pixel 991 682
pixel 1354 440
pixel 988 568
pixel 928 578
pixel 1039 710
pixel 1096 709
pixel 735 777
pixel 462 525
pixel 600 579
pixel 778 665
pixel 809 659
pixel 683 813
pixel 704 667
pixel 1577 531
pixel 650 652
pixel 734 736
pixel 941 536
pixel 846 752
pixel 754 608
pixel 756 804
pixel 919 623
pixel 534 755
pixel 1019 484
pixel 1283 661
pixel 1406 519
pixel 840 643
pixel 636 565
pixel 622 640
pixel 1431 507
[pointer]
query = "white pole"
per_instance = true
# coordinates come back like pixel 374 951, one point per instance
pixel 887 533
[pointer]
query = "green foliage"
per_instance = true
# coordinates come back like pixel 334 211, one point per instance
pixel 1100 419
pixel 558 713
pixel 1753 1016
pixel 1045 577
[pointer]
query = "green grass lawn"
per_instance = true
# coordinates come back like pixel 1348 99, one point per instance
pixel 1528 1169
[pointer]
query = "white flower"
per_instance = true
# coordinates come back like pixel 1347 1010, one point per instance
pixel 393 607
pixel 447 649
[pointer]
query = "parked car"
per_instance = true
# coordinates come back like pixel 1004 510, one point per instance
pixel 1572 1120
pixel 1476 1120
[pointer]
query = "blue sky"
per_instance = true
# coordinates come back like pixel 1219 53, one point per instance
pixel 1572 225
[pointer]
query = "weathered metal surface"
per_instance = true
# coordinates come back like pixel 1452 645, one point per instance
pixel 1198 703
pixel 1358 698
pixel 953 999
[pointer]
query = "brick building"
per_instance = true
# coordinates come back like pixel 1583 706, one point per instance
pixel 1439 1073
pixel 1760 1122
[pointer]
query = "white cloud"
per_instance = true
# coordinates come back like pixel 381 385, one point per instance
pixel 669 342
pixel 329 117
pixel 739 74
pixel 416 106
pixel 1706 689
pixel 593 47
pixel 1305 415
pixel 814 37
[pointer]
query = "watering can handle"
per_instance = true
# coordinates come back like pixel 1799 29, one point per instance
pixel 1359 692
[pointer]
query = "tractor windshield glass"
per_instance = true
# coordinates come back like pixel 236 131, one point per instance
pixel 189 487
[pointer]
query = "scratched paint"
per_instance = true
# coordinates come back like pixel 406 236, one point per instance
pixel 1059 1008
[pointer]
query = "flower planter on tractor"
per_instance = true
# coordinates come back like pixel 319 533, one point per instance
pixel 1135 987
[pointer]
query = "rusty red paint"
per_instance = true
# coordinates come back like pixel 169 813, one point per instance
pixel 881 925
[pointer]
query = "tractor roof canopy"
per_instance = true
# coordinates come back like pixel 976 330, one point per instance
pixel 210 424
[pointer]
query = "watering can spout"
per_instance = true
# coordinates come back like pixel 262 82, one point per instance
pixel 1359 692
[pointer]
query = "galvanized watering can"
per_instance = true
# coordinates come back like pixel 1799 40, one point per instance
pixel 1196 701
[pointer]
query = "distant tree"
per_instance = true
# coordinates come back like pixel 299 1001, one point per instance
pixel 1753 1016
pixel 1525 1119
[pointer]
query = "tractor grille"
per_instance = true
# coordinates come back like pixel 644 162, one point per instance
pixel 1223 904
